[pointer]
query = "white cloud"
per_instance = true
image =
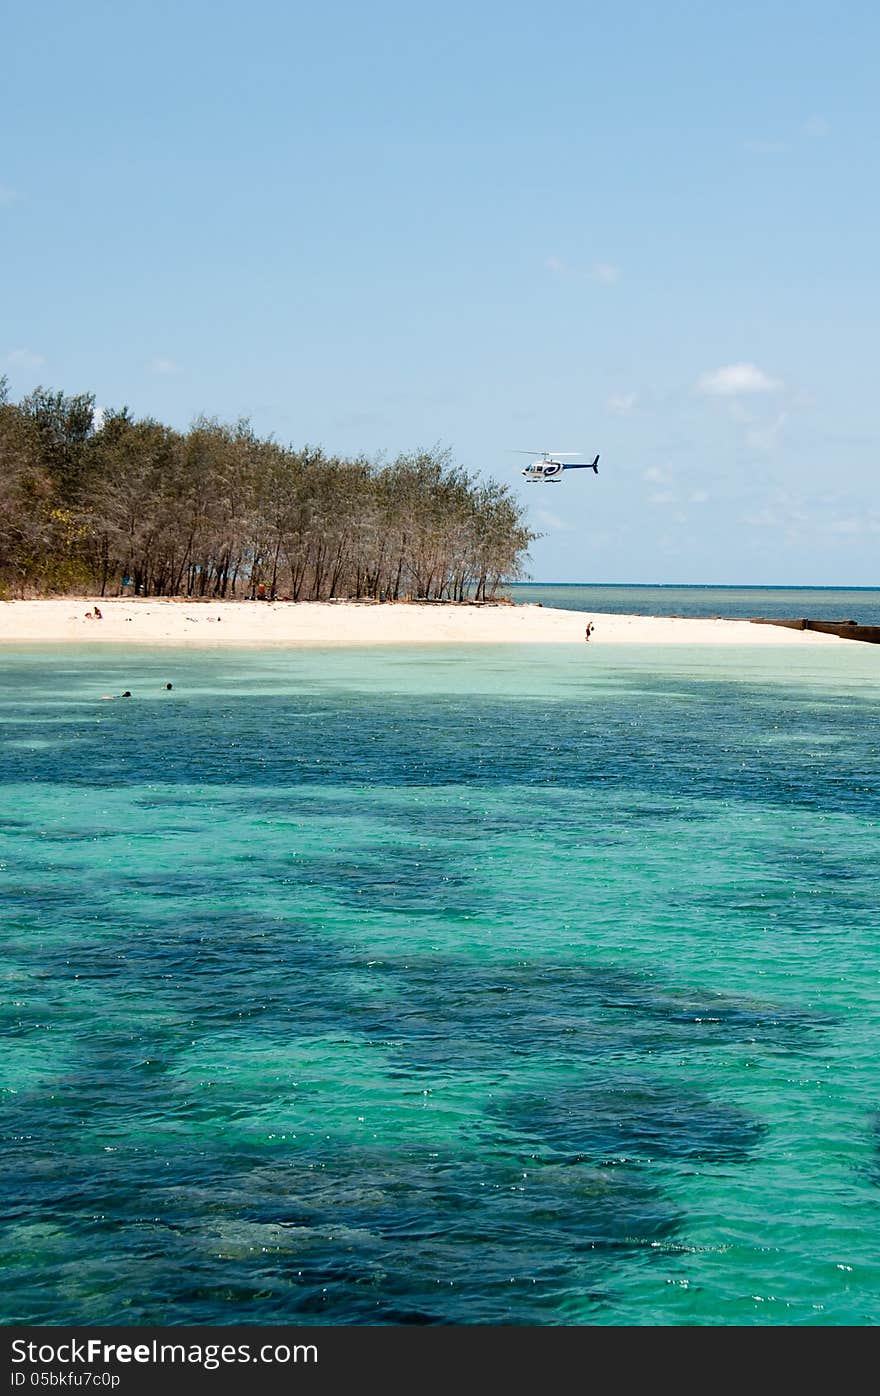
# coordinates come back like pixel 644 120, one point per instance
pixel 764 518
pixel 699 497
pixel 621 404
pixel 23 359
pixel 662 497
pixel 606 272
pixel 764 438
pixel 164 366
pixel 8 196
pixel 800 397
pixel 656 476
pixel 551 520
pixel 735 379
pixel 763 147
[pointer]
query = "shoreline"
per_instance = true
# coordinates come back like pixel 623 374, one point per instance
pixel 181 623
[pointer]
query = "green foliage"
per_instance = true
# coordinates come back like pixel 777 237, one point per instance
pixel 218 511
pixel 63 427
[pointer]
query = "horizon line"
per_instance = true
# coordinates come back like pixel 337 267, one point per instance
pixel 708 586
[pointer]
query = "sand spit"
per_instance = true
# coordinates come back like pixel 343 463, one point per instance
pixel 324 624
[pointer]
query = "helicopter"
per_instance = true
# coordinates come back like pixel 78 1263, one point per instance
pixel 551 465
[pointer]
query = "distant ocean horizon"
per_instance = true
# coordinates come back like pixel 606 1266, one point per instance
pixel 859 604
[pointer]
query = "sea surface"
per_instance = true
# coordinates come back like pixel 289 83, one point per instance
pixel 859 604
pixel 520 985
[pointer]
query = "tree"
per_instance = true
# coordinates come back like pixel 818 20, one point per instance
pixel 219 511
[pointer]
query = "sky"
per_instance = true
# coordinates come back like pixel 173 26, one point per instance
pixel 644 230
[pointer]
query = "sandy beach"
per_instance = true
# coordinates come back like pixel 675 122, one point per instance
pixel 310 625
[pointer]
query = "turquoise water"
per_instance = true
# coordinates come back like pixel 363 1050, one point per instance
pixel 861 604
pixel 515 985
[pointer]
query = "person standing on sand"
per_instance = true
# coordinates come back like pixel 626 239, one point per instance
pixel 589 630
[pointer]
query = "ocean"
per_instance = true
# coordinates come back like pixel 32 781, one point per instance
pixel 492 985
pixel 859 604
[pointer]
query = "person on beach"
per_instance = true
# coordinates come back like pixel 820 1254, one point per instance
pixel 589 630
pixel 261 592
pixel 98 614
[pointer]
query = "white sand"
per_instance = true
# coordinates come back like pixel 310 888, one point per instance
pixel 314 624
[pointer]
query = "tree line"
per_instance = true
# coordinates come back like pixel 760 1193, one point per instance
pixel 105 503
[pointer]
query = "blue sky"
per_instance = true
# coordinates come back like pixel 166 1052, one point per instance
pixel 645 230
